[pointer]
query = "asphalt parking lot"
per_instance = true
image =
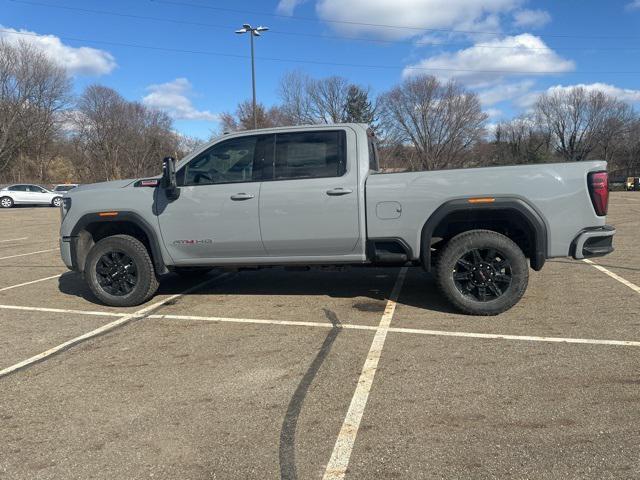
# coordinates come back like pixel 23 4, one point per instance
pixel 363 373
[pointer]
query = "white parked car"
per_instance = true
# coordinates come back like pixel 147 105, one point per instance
pixel 28 194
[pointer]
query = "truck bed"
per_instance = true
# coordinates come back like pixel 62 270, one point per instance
pixel 398 204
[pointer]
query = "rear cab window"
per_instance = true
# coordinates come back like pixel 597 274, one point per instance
pixel 317 154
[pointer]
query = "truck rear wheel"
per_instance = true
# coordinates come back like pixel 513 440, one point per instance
pixel 482 272
pixel 120 272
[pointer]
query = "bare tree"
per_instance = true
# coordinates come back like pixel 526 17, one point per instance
pixel 33 92
pixel 329 99
pixel 579 120
pixel 441 121
pixel 242 118
pixel 115 138
pixel 627 156
pixel 521 140
pixel 614 132
pixel 296 102
pixel 306 100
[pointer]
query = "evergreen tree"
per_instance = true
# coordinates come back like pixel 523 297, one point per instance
pixel 358 108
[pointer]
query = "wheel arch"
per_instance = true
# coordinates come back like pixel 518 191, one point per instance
pixel 92 227
pixel 501 214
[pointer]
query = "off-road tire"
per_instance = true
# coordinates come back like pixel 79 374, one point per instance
pixel 482 240
pixel 56 202
pixel 192 272
pixel 6 202
pixel 147 282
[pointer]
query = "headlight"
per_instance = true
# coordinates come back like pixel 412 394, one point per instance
pixel 65 207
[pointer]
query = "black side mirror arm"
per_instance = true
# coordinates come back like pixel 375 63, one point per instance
pixel 169 183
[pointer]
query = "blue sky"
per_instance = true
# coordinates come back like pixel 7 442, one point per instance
pixel 506 50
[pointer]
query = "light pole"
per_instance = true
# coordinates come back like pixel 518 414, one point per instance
pixel 253 32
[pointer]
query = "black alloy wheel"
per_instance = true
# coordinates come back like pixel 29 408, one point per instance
pixel 483 274
pixel 116 273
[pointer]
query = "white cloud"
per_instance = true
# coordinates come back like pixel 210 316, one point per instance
pixel 624 94
pixel 490 129
pixel 478 65
pixel 502 92
pixel 418 14
pixel 493 113
pixel 173 97
pixel 76 60
pixel 286 7
pixel 635 5
pixel 531 18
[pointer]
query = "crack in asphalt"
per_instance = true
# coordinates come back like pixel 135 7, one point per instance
pixel 287 450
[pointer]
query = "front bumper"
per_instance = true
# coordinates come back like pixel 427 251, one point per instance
pixel 593 242
pixel 65 251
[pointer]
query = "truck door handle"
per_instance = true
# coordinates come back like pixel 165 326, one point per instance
pixel 242 196
pixel 339 191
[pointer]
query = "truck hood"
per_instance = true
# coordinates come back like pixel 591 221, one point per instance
pixel 105 185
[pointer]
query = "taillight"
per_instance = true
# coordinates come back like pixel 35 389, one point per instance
pixel 599 191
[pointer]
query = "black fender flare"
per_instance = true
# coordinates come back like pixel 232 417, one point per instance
pixel 522 207
pixel 122 216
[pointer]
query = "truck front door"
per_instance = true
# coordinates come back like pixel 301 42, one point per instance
pixel 309 198
pixel 216 214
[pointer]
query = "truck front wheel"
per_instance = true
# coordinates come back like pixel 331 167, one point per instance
pixel 482 272
pixel 120 272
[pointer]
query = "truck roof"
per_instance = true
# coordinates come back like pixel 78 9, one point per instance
pixel 299 127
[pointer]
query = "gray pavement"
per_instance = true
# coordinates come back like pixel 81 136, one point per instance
pixel 223 396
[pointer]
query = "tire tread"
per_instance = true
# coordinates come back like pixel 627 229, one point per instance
pixel 147 267
pixel 445 261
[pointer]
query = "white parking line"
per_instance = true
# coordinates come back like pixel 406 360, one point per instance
pixel 103 329
pixel 623 281
pixel 61 310
pixel 296 323
pixel 524 338
pixel 417 331
pixel 346 326
pixel 339 461
pixel 13 239
pixel 30 253
pixel 30 283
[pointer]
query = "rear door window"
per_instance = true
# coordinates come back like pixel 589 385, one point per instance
pixel 302 155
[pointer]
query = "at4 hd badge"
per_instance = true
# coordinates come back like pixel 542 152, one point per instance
pixel 193 243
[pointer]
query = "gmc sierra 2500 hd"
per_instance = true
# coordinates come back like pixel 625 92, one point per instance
pixel 313 195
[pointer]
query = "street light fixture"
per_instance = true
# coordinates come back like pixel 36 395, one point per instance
pixel 253 32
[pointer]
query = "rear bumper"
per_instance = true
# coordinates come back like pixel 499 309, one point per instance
pixel 593 242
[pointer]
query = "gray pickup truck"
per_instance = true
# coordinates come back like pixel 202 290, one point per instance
pixel 314 195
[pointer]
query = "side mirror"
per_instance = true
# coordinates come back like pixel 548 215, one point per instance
pixel 169 183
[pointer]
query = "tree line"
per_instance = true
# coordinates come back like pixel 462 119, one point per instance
pixel 48 135
pixel 423 123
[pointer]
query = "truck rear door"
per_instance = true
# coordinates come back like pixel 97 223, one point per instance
pixel 309 200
